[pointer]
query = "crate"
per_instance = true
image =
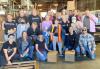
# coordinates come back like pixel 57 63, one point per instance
pixel 70 56
pixel 23 65
pixel 52 56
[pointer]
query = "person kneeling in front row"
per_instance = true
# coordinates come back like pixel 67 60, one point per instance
pixel 87 44
pixel 8 51
pixel 25 47
pixel 41 49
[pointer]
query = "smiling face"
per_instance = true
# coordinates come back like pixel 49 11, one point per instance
pixel 21 13
pixel 84 30
pixel 34 12
pixel 9 17
pixel 11 38
pixel 24 34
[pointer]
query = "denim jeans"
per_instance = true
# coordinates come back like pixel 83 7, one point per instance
pixel 40 57
pixel 30 53
pixel 55 40
pixel 88 53
pixel 46 37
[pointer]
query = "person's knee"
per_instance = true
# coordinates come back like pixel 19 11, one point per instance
pixel 93 57
pixel 43 59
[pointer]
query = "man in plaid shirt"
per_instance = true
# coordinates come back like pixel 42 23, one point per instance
pixel 87 44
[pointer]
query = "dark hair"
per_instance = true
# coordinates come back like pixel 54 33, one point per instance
pixel 10 35
pixel 23 32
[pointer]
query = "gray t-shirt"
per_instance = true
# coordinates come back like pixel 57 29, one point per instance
pixel 24 45
pixel 86 22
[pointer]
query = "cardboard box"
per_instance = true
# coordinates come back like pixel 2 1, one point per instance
pixel 52 56
pixel 70 56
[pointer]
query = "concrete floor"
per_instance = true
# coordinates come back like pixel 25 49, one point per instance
pixel 85 64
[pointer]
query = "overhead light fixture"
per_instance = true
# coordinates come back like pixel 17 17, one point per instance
pixel 55 4
pixel 40 9
pixel 39 4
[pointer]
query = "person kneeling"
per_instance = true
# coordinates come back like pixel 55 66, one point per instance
pixel 25 48
pixel 87 44
pixel 8 51
pixel 41 48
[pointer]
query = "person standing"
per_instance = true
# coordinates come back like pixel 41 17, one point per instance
pixel 22 23
pixel 34 18
pixel 46 25
pixel 9 26
pixel 89 21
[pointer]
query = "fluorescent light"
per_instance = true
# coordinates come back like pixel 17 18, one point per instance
pixel 39 4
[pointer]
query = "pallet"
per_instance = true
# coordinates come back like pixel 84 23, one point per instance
pixel 23 65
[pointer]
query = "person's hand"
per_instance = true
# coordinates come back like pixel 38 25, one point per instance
pixel 9 63
pixel 49 50
pixel 9 58
pixel 21 55
pixel 42 54
pixel 82 48
pixel 92 52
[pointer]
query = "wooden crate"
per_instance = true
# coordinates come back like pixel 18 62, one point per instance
pixel 23 65
pixel 70 56
pixel 52 56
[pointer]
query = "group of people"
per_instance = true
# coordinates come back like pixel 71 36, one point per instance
pixel 29 37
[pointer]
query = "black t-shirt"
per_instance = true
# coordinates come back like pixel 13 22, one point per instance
pixel 41 45
pixel 21 20
pixel 9 25
pixel 9 47
pixel 65 27
pixel 71 40
pixel 31 32
pixel 36 19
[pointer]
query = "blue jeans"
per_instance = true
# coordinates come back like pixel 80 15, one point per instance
pixel 46 37
pixel 40 57
pixel 29 54
pixel 55 40
pixel 88 53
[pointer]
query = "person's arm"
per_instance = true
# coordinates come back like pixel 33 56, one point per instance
pixel 25 52
pixel 28 47
pixel 93 18
pixel 93 45
pixel 80 43
pixel 6 54
pixel 14 52
pixel 46 47
pixel 3 25
pixel 38 49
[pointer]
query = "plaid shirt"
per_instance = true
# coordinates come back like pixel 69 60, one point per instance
pixel 87 40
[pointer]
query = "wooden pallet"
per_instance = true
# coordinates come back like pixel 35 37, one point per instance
pixel 23 65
